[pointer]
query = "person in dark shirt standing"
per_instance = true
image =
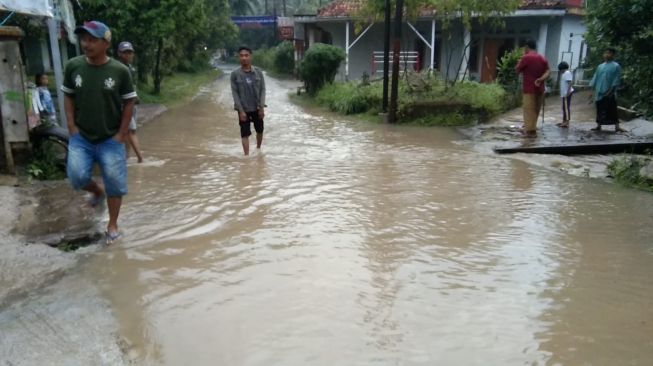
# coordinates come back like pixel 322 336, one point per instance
pixel 248 91
pixel 99 100
pixel 535 70
pixel 605 82
pixel 126 56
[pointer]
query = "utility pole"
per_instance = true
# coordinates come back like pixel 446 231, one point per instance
pixel 274 28
pixel 386 55
pixel 284 8
pixel 266 7
pixel 392 116
pixel 53 31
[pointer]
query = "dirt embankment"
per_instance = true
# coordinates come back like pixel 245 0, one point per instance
pixel 48 314
pixel 41 212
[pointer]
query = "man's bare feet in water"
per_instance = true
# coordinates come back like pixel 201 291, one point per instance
pixel 529 134
pixel 616 129
pixel 97 195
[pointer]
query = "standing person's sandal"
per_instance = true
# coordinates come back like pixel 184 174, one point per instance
pixel 112 237
pixel 95 200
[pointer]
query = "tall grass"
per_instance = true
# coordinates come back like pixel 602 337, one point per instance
pixel 178 88
pixel 626 170
pixel 355 97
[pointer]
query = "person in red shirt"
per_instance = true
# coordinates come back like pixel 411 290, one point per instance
pixel 535 70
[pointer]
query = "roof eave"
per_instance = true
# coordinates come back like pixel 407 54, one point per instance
pixel 517 13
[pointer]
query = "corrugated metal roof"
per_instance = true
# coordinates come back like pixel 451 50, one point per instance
pixel 345 8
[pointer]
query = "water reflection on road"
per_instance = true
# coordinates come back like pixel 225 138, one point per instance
pixel 347 243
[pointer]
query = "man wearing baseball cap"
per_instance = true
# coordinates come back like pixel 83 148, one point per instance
pixel 126 56
pixel 99 103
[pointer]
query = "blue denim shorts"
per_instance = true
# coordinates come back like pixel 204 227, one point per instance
pixel 108 154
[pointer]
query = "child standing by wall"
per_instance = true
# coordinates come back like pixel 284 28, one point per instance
pixel 49 112
pixel 566 90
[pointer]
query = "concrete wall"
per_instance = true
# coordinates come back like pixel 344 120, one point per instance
pixel 12 104
pixel 553 42
pixel 572 38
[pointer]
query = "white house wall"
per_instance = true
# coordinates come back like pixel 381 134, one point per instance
pixel 572 37
pixel 553 42
pixel 450 43
pixel 360 55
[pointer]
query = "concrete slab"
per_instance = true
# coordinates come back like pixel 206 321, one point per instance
pixel 505 132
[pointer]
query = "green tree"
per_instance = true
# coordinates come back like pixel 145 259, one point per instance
pixel 242 7
pixel 168 35
pixel 626 25
pixel 284 58
pixel 320 66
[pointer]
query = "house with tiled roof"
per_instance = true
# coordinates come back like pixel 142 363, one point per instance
pixel 556 25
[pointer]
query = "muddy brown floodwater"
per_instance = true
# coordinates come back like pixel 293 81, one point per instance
pixel 349 243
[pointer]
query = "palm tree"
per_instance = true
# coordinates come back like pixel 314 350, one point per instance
pixel 241 7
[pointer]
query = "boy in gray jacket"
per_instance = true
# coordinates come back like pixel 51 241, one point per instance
pixel 248 90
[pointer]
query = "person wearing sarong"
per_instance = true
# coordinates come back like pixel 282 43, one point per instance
pixel 605 82
pixel 535 70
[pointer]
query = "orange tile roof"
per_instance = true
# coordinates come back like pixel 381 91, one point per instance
pixel 345 8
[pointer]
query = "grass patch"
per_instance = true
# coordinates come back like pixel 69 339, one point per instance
pixel 71 245
pixel 626 170
pixel 423 101
pixel 178 88
pixel 350 98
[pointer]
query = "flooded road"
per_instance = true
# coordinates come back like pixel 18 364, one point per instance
pixel 349 243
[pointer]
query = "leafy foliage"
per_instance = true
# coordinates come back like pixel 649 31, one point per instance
pixel 462 104
pixel 349 98
pixel 507 77
pixel 249 7
pixel 284 58
pixel 279 60
pixel 178 88
pixel 506 74
pixel 46 163
pixel 487 97
pixel 626 25
pixel 625 170
pixel 319 66
pixel 168 35
pixel 242 7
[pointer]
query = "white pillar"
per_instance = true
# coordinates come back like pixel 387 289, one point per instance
pixel 64 50
pixel 58 69
pixel 541 39
pixel 311 37
pixel 432 44
pixel 465 55
pixel 347 50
